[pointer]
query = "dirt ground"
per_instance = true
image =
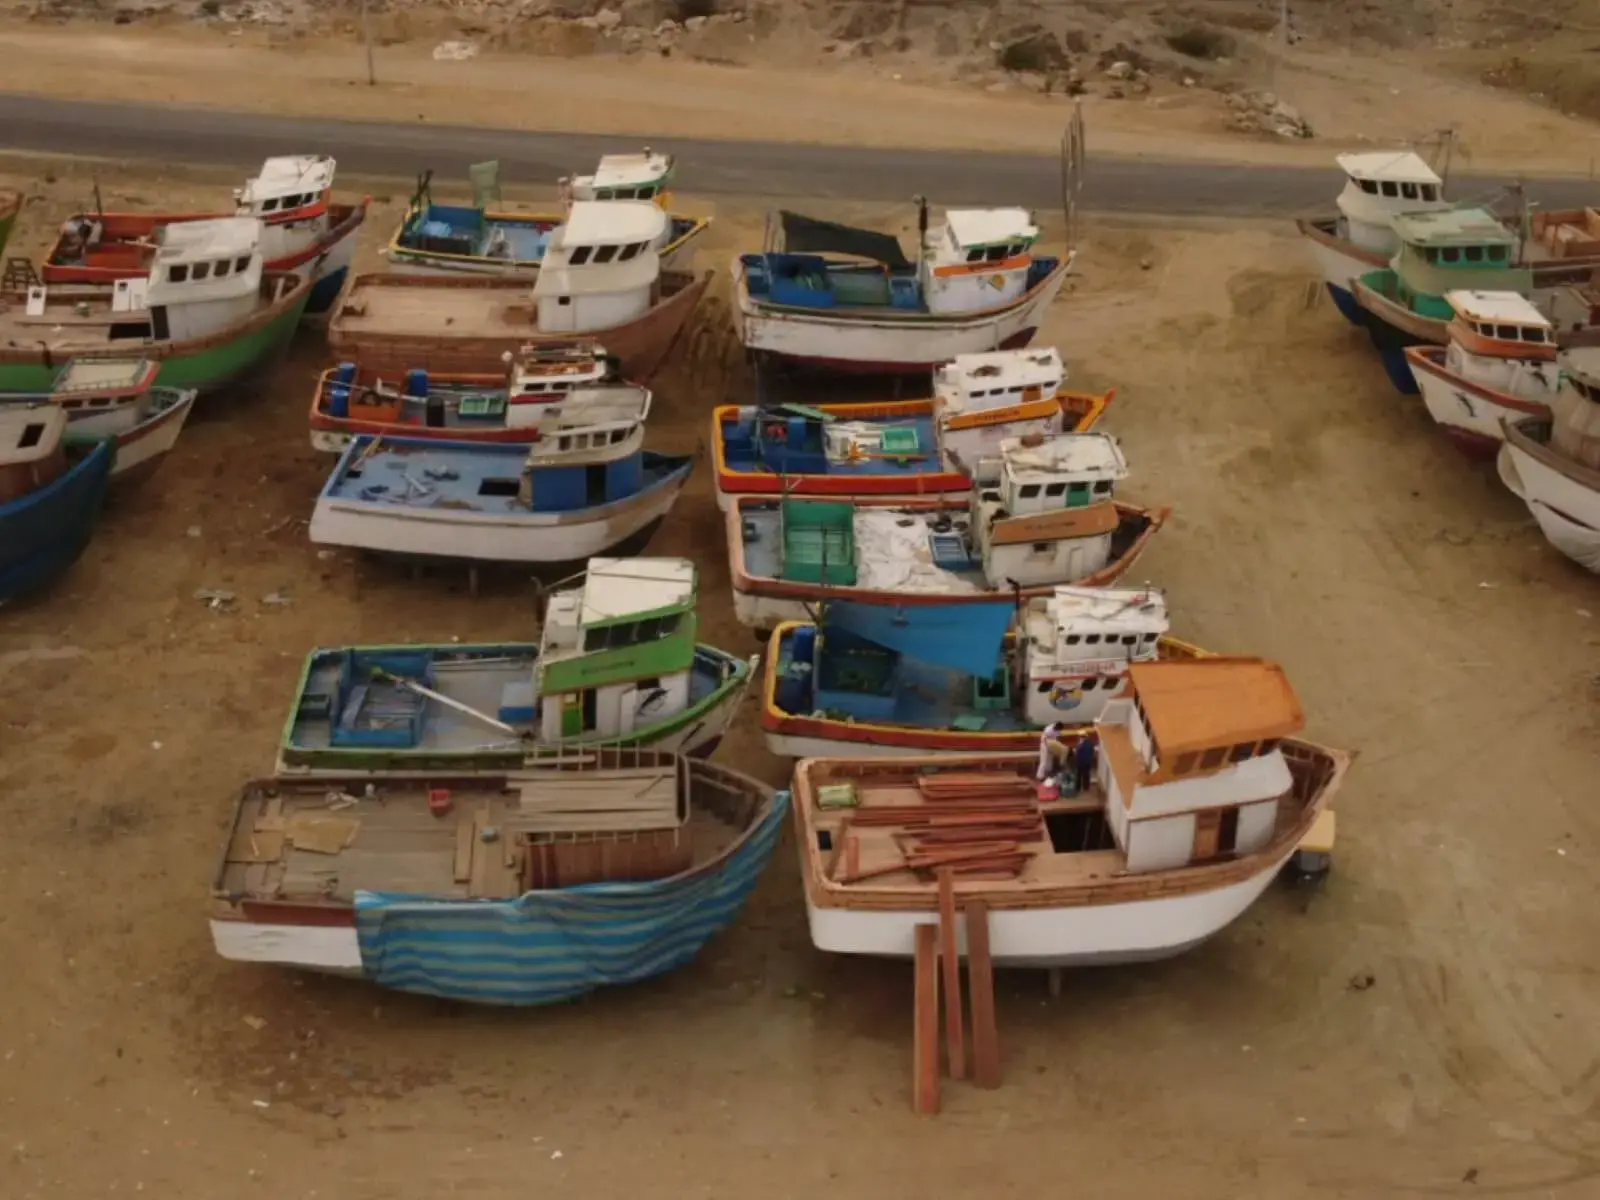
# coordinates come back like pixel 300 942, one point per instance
pixel 1320 520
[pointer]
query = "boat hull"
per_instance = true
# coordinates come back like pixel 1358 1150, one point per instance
pixel 1469 413
pixel 1393 329
pixel 1339 262
pixel 868 343
pixel 141 449
pixel 1567 509
pixel 43 533
pixel 676 255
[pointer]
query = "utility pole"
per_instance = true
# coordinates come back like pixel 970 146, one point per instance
pixel 366 37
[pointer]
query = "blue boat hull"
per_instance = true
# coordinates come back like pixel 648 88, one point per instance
pixel 43 533
pixel 1344 300
pixel 1391 345
pixel 325 293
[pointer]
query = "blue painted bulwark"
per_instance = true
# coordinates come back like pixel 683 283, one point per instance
pixel 43 533
pixel 548 946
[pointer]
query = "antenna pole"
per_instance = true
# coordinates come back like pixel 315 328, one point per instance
pixel 366 37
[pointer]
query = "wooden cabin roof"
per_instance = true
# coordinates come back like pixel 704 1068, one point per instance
pixel 1200 704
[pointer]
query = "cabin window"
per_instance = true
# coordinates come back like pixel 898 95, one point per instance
pixel 617 435
pixel 1130 639
pixel 1078 493
pixel 1073 639
pixel 1055 489
pixel 270 205
pixel 605 254
pixel 1388 189
pixel 1043 548
pixel 31 436
pixel 178 274
pixel 1091 683
pixel 242 263
pixel 1449 254
pixel 1029 491
pixel 1213 757
pixel 1091 639
pixel 1473 253
pixel 631 251
pixel 1102 488
pixel 1185 764
pixel 222 268
pixel 1241 752
pixel 1110 684
pixel 996 254
pixel 604 194
pixel 1429 192
pixel 1508 332
pixel 1043 687
pixel 499 487
pixel 975 255
pixel 1496 253
pixel 1269 745
pixel 1532 335
pixel 202 271
pixel 580 256
pixel 563 301
pixel 1408 190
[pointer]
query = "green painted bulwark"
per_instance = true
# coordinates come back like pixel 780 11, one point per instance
pixel 651 614
pixel 645 660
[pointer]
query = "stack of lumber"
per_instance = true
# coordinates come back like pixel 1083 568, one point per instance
pixel 972 824
pixel 619 800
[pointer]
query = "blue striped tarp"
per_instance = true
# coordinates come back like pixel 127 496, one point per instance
pixel 548 946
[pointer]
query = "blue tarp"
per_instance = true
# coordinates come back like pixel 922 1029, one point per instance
pixel 549 946
pixel 963 637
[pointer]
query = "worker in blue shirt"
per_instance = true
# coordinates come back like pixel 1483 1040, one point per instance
pixel 1084 755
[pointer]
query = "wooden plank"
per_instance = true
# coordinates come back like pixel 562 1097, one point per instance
pixel 950 961
pixel 925 1022
pixel 320 834
pixel 478 878
pixel 465 834
pixel 980 985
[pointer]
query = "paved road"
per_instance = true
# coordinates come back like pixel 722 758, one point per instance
pixel 175 135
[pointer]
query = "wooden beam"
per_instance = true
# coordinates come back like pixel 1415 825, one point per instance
pixel 980 983
pixel 925 1023
pixel 950 961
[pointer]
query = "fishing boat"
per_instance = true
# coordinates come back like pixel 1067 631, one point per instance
pixel 1553 463
pixel 539 386
pixel 208 314
pixel 956 678
pixel 616 664
pixel 586 487
pixel 10 206
pixel 599 870
pixel 1199 794
pixel 1034 518
pixel 1501 362
pixel 600 278
pixel 976 285
pixel 896 448
pixel 50 496
pixel 1360 237
pixel 455 239
pixel 303 231
pixel 117 398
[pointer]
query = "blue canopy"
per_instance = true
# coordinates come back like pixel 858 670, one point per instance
pixel 963 637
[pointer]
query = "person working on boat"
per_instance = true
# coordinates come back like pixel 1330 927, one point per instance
pixel 1052 753
pixel 1084 755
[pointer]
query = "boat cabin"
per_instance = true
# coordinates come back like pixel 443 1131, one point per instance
pixel 984 398
pixel 979 258
pixel 1499 325
pixel 1458 249
pixel 1190 762
pixel 1380 186
pixel 206 275
pixel 290 196
pixel 601 268
pixel 587 427
pixel 1044 511
pixel 618 651
pixel 31 451
pixel 1080 644
pixel 641 176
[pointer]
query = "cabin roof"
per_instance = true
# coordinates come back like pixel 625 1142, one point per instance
pixel 1453 227
pixel 630 170
pixel 1066 454
pixel 217 237
pixel 288 175
pixel 1005 368
pixel 1204 703
pixel 972 227
pixel 105 375
pixel 611 223
pixel 40 426
pixel 617 588
pixel 1387 166
pixel 1124 609
pixel 584 407
pixel 1497 306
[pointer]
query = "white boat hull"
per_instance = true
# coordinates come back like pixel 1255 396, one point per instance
pixel 144 445
pixel 330 948
pixel 887 344
pixel 1075 936
pixel 1471 419
pixel 1578 542
pixel 1568 513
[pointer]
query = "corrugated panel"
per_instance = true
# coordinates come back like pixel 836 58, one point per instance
pixel 546 947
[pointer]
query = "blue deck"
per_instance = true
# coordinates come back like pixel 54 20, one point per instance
pixel 789 444
pixel 858 680
pixel 472 233
pixel 43 533
pixel 428 473
pixel 811 281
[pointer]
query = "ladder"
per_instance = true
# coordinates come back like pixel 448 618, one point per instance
pixel 19 275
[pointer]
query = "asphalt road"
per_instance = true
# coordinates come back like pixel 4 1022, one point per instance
pixel 195 136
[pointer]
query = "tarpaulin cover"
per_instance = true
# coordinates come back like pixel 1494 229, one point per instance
pixel 963 637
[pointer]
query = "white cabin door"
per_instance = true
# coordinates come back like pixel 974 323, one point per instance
pixel 627 709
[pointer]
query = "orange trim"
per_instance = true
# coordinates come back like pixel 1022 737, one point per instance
pixel 1015 263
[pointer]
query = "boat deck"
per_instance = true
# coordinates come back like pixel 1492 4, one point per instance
pixel 802 450
pixel 488 407
pixel 397 306
pixel 893 552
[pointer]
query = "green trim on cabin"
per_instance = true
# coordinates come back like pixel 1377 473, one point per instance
pixel 599 668
pixel 645 614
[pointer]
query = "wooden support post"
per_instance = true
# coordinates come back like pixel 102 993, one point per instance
pixel 980 986
pixel 950 961
pixel 925 1023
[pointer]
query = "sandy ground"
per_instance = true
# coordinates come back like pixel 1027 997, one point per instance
pixel 1353 100
pixel 1320 519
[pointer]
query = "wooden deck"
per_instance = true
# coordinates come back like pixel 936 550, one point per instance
pixel 495 307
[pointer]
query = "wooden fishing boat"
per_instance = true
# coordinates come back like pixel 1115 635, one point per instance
pixel 593 870
pixel 1198 796
pixel 538 387
pixel 617 664
pixel 1501 362
pixel 562 500
pixel 1034 519
pixel 956 678
pixel 600 279
pixel 10 206
pixel 303 232
pixel 117 398
pixel 976 285
pixel 50 496
pixel 1553 464
pixel 209 315
pixel 476 239
pixel 893 448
